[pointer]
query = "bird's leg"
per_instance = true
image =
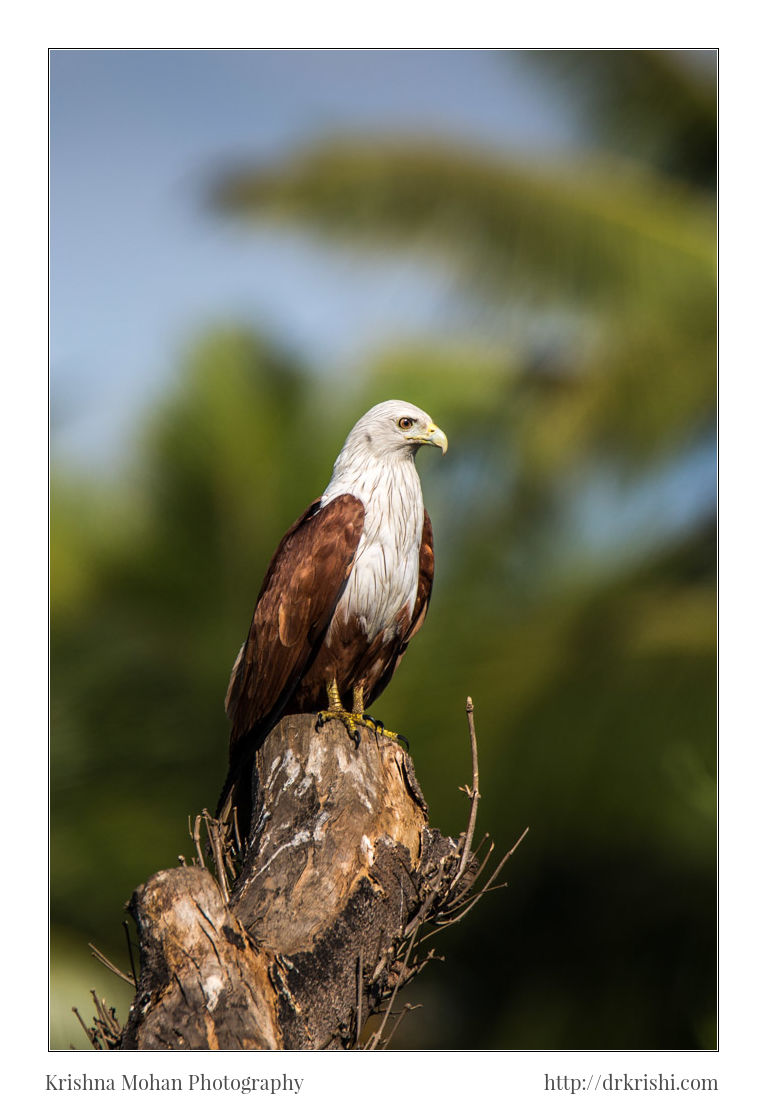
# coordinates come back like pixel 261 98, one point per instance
pixel 336 712
pixel 334 698
pixel 357 718
pixel 373 722
pixel 359 706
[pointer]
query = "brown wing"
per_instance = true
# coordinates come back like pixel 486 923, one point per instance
pixel 425 580
pixel 301 589
pixel 302 586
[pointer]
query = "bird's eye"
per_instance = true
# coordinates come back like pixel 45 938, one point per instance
pixel 405 422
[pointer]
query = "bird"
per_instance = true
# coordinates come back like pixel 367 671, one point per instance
pixel 345 592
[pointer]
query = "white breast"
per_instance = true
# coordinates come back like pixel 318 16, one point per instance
pixel 384 574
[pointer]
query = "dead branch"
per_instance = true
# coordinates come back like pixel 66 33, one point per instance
pixel 302 931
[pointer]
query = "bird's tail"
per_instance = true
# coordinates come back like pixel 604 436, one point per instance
pixel 235 803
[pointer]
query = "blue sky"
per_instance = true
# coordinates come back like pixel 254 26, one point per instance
pixel 137 265
pixel 139 268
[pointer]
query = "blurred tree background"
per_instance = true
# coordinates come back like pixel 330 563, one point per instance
pixel 575 545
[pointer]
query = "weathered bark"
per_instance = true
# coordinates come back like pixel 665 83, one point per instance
pixel 203 983
pixel 341 871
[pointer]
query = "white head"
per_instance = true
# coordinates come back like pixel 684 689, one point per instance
pixel 391 429
pixel 379 451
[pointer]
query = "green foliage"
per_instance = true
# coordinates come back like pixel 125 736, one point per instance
pixel 657 105
pixel 594 704
pixel 631 254
pixel 579 231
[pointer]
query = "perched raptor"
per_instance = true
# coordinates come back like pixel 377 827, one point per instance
pixel 345 592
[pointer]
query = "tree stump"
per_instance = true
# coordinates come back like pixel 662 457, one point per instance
pixel 324 920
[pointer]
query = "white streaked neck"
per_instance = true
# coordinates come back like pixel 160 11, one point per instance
pixel 390 480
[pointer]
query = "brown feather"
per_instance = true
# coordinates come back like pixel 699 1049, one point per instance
pixel 296 603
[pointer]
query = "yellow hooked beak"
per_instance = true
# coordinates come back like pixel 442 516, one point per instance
pixel 435 436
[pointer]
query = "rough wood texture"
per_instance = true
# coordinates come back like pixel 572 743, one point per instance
pixel 340 855
pixel 325 813
pixel 203 983
pixel 331 890
pixel 341 883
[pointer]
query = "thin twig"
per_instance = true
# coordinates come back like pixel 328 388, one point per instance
pixel 460 898
pixel 100 1006
pixel 130 953
pixel 214 839
pixel 381 960
pixel 90 1034
pixel 420 916
pixel 505 859
pixel 195 835
pixel 480 846
pixel 236 831
pixel 406 1009
pixel 373 1043
pixel 108 964
pixel 107 1028
pixel 460 895
pixel 473 794
pixel 451 919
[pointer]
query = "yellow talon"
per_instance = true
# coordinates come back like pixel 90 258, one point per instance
pixel 355 720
